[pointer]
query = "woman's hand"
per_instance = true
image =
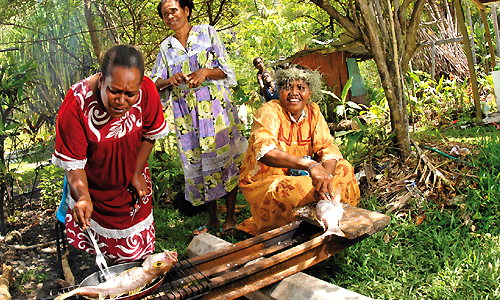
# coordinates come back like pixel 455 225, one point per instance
pixel 322 181
pixel 139 186
pixel 176 79
pixel 196 78
pixel 82 211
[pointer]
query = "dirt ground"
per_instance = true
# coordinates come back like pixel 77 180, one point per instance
pixel 35 271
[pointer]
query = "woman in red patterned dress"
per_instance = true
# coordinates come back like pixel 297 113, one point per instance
pixel 106 129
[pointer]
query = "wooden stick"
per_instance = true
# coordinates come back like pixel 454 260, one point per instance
pixel 5 282
pixel 68 275
pixel 24 247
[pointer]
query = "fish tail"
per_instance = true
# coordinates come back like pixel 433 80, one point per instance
pixel 68 294
pixel 336 230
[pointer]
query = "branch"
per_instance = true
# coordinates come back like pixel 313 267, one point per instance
pixel 219 13
pixel 31 247
pixel 381 21
pixel 343 21
pixel 53 40
pixel 432 169
pixel 96 44
pixel 411 35
pixel 316 20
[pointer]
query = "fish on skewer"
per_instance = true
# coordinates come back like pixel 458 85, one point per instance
pixel 329 213
pixel 130 281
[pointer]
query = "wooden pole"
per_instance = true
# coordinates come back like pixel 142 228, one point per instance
pixel 472 43
pixel 488 38
pixel 470 62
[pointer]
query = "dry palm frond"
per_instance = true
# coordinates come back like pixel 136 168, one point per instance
pixel 450 57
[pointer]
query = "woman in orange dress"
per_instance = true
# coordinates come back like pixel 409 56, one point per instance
pixel 291 137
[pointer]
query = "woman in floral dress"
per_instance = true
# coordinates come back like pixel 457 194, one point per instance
pixel 106 129
pixel 193 64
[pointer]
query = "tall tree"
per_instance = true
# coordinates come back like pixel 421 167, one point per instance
pixel 96 44
pixel 388 30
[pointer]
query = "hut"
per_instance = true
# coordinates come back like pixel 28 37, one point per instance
pixel 337 62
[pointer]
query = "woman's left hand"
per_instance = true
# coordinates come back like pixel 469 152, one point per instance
pixel 196 78
pixel 322 181
pixel 140 187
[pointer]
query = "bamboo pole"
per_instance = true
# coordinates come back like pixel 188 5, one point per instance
pixel 470 62
pixel 472 43
pixel 488 38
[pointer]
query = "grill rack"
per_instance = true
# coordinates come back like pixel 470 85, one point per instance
pixel 184 281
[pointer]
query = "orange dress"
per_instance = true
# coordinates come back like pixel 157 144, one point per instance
pixel 270 192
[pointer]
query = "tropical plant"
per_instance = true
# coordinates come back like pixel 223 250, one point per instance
pixel 166 171
pixel 51 185
pixel 342 106
pixel 15 78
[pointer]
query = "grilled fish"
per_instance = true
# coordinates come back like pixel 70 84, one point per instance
pixel 130 281
pixel 329 214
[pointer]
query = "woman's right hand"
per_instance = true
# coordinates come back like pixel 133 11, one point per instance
pixel 82 211
pixel 176 79
pixel 322 181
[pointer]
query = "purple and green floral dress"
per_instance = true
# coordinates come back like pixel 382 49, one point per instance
pixel 211 145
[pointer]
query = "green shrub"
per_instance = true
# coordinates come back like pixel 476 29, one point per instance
pixel 51 184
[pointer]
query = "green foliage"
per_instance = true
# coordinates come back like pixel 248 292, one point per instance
pixel 33 275
pixel 51 185
pixel 16 81
pixel 439 102
pixel 272 29
pixel 340 106
pixel 166 171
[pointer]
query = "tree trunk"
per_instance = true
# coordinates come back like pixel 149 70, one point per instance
pixel 113 35
pixel 93 31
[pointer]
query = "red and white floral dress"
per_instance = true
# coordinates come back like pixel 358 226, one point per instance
pixel 106 148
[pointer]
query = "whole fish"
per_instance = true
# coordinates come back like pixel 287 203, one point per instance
pixel 329 214
pixel 130 281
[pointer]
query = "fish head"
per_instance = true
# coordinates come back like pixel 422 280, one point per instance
pixel 160 263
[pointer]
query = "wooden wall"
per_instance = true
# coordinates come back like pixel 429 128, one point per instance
pixel 333 66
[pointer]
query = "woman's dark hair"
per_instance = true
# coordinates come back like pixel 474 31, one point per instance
pixel 257 58
pixel 122 56
pixel 182 3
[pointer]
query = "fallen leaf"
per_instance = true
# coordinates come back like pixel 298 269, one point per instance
pixel 420 219
pixel 387 238
pixel 84 267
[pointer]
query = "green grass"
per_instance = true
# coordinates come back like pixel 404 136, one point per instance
pixel 32 275
pixel 173 229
